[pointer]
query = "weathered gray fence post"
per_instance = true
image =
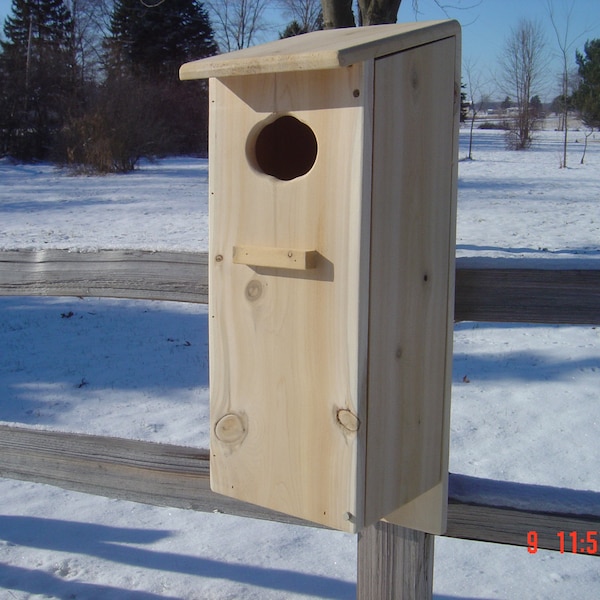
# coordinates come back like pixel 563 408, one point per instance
pixel 394 563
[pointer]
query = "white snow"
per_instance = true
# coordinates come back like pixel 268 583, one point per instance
pixel 525 397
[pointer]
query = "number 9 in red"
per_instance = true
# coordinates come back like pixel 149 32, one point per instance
pixel 532 542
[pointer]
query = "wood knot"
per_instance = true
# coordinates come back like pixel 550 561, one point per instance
pixel 230 429
pixel 348 420
pixel 254 290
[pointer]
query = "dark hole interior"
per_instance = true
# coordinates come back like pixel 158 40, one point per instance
pixel 286 148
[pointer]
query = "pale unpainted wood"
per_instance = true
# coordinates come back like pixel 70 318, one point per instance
pixel 427 512
pixel 548 293
pixel 412 269
pixel 177 276
pixel 177 476
pixel 394 563
pixel 412 233
pixel 285 345
pixel 275 258
pixel 327 49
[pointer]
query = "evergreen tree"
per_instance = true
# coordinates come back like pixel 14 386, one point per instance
pixel 38 76
pixel 150 43
pixel 294 28
pixel 142 109
pixel 153 41
pixel 535 107
pixel 558 105
pixel 307 16
pixel 587 96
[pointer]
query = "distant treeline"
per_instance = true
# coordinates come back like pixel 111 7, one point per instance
pixel 94 83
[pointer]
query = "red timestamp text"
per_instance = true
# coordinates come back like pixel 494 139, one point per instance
pixel 574 542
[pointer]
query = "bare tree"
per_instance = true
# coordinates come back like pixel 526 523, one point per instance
pixel 237 23
pixel 91 24
pixel 445 7
pixel 306 13
pixel 565 43
pixel 473 88
pixel 522 65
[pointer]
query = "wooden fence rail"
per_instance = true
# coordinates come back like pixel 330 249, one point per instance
pixel 497 293
pixel 393 562
pixel 177 476
pixel 137 274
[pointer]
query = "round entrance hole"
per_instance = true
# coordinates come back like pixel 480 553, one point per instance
pixel 285 148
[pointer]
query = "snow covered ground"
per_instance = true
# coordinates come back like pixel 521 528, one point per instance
pixel 525 397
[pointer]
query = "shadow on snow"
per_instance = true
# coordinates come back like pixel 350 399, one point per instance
pixel 55 348
pixel 104 542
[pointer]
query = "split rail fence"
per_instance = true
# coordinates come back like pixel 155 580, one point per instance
pixel 393 562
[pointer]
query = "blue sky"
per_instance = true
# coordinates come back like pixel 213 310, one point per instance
pixel 487 24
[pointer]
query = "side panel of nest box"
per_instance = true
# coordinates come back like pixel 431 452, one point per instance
pixel 412 271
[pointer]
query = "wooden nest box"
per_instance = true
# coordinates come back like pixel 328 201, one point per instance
pixel 332 178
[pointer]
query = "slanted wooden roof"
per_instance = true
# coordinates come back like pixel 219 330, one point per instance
pixel 328 49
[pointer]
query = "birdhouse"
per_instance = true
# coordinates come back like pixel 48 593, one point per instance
pixel 332 196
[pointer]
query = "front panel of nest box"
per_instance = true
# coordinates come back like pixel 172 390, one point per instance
pixel 288 206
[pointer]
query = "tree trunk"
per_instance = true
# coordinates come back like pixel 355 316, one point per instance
pixel 587 135
pixel 378 12
pixel 338 13
pixel 470 157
